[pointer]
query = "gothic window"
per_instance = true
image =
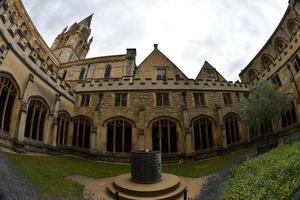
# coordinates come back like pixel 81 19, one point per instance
pixel 199 99
pixel 7 97
pixel 254 134
pixel 293 27
pixel 276 80
pixel 296 63
pixel 203 134
pixel 280 45
pixel 85 100
pixel 164 136
pixel 119 136
pixel 177 77
pixel 62 129
pixel 162 99
pixel 161 73
pixel 121 100
pixel 227 99
pixel 252 75
pixel 107 72
pixel 289 117
pixel 64 75
pixel 35 121
pixel 81 133
pixel 82 73
pixel 232 129
pixel 266 62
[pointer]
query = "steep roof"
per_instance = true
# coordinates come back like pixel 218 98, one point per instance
pixel 157 59
pixel 204 75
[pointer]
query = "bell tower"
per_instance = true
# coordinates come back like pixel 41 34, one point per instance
pixel 73 44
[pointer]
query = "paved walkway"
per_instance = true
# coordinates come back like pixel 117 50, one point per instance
pixel 94 188
pixel 13 185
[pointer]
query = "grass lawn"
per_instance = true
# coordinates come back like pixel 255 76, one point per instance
pixel 47 173
pixel 274 175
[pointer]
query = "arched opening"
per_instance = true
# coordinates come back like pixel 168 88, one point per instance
pixel 81 133
pixel 164 136
pixel 293 26
pixel 203 133
pixel 280 45
pixel 63 121
pixel 82 72
pixel 289 117
pixel 266 62
pixel 252 75
pixel 8 93
pixel 119 136
pixel 232 129
pixel 36 118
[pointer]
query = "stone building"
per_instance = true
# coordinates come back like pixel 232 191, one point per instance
pixel 55 100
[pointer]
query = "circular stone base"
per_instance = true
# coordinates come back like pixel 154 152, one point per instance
pixel 170 187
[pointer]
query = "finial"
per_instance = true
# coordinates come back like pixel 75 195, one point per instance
pixel 155 46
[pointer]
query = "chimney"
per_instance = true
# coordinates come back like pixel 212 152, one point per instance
pixel 155 46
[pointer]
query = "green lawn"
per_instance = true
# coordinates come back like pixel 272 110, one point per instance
pixel 48 173
pixel 274 175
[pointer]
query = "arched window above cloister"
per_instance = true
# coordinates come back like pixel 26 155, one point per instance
pixel 231 122
pixel 81 132
pixel 293 26
pixel 266 62
pixel 280 45
pixel 203 133
pixel 63 120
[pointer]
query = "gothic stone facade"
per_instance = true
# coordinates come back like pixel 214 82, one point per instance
pixel 55 100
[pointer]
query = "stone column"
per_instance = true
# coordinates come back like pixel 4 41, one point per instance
pixel 52 126
pixel 93 139
pixel 23 110
pixel 70 134
pixel 140 133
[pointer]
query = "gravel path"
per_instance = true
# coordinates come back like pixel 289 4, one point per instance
pixel 13 185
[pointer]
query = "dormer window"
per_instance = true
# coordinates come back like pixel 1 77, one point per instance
pixel 161 73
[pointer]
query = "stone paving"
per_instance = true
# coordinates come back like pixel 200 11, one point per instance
pixel 94 188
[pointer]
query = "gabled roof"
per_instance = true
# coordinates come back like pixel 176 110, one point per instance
pixel 204 75
pixel 156 50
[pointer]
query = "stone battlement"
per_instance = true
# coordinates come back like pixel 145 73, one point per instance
pixel 149 84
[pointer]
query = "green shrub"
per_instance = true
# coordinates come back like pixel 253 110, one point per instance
pixel 274 175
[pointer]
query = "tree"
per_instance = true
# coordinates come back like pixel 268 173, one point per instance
pixel 264 106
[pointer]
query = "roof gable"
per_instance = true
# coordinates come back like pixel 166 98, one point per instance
pixel 208 72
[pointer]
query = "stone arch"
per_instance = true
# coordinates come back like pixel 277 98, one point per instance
pixel 82 127
pixel 118 117
pixel 231 122
pixel 202 129
pixel 37 111
pixel 280 45
pixel 9 92
pixel 164 134
pixel 252 75
pixel 293 26
pixel 119 135
pixel 63 120
pixel 266 62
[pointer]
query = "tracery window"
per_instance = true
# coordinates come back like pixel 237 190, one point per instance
pixel 289 117
pixel 203 134
pixel 280 45
pixel 266 62
pixel 232 129
pixel 81 133
pixel 164 136
pixel 35 121
pixel 62 129
pixel 7 96
pixel 119 136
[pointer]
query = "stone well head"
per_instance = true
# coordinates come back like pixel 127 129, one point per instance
pixel 145 167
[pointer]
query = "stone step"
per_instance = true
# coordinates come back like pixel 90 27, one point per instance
pixel 176 194
pixel 167 184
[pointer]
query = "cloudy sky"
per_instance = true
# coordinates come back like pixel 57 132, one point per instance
pixel 226 33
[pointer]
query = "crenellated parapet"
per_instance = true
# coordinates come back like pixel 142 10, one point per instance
pixel 19 35
pixel 126 84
